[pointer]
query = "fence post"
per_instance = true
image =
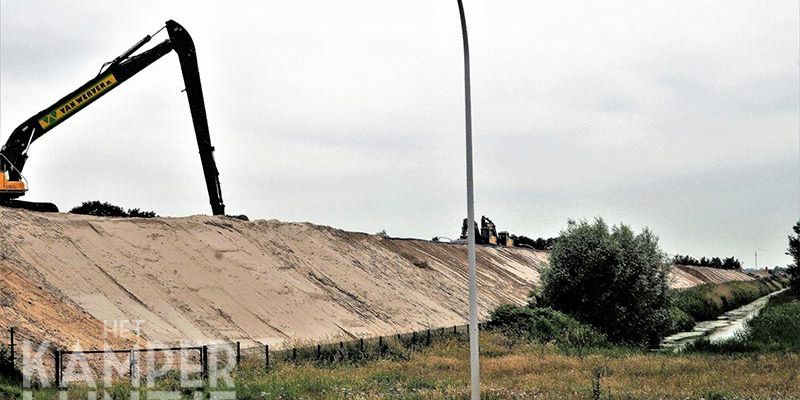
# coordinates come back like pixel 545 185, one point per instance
pixel 205 361
pixel 428 339
pixel 455 329
pixel 266 356
pixel 132 362
pixel 238 353
pixel 361 344
pixel 57 369
pixel 11 330
pixel 341 349
pixel 380 346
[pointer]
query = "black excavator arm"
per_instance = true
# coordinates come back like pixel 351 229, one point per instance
pixel 14 153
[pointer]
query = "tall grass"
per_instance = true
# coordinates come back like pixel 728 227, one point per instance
pixel 709 301
pixel 524 371
pixel 775 329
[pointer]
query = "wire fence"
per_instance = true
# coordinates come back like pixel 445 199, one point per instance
pixel 195 360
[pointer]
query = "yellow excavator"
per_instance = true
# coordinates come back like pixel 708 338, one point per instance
pixel 14 153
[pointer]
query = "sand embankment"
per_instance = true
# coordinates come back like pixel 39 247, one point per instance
pixel 685 276
pixel 209 278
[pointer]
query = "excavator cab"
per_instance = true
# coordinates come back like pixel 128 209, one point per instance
pixel 10 189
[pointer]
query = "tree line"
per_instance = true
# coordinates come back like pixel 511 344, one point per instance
pixel 713 262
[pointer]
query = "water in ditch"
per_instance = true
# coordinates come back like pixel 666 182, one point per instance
pixel 725 327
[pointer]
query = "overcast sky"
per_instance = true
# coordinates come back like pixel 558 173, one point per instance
pixel 683 116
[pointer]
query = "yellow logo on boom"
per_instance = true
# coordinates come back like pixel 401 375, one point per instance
pixel 80 100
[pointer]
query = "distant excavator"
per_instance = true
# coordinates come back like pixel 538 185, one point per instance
pixel 14 153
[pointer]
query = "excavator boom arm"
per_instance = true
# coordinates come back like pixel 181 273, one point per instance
pixel 14 153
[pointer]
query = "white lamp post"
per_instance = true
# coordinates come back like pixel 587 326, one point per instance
pixel 474 366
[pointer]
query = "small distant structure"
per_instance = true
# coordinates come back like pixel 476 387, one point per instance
pixel 487 233
pixel 505 239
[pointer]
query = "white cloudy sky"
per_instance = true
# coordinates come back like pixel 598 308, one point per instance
pixel 683 116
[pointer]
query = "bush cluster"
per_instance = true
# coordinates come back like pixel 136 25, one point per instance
pixel 777 327
pixel 8 371
pixel 104 209
pixel 544 325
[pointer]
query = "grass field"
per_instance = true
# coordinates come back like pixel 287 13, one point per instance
pixel 522 372
pixel 762 364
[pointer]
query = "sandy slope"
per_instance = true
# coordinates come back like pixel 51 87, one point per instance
pixel 202 278
pixel 684 276
pixel 208 278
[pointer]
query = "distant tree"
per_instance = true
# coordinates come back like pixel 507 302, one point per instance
pixel 714 262
pixel 731 263
pixel 794 251
pixel 104 209
pixel 684 260
pixel 612 279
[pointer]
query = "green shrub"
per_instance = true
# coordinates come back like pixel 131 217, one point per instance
pixel 776 327
pixel 104 209
pixel 612 279
pixel 8 371
pixel 544 325
pixel 680 321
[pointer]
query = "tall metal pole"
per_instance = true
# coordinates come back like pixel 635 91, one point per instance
pixel 474 366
